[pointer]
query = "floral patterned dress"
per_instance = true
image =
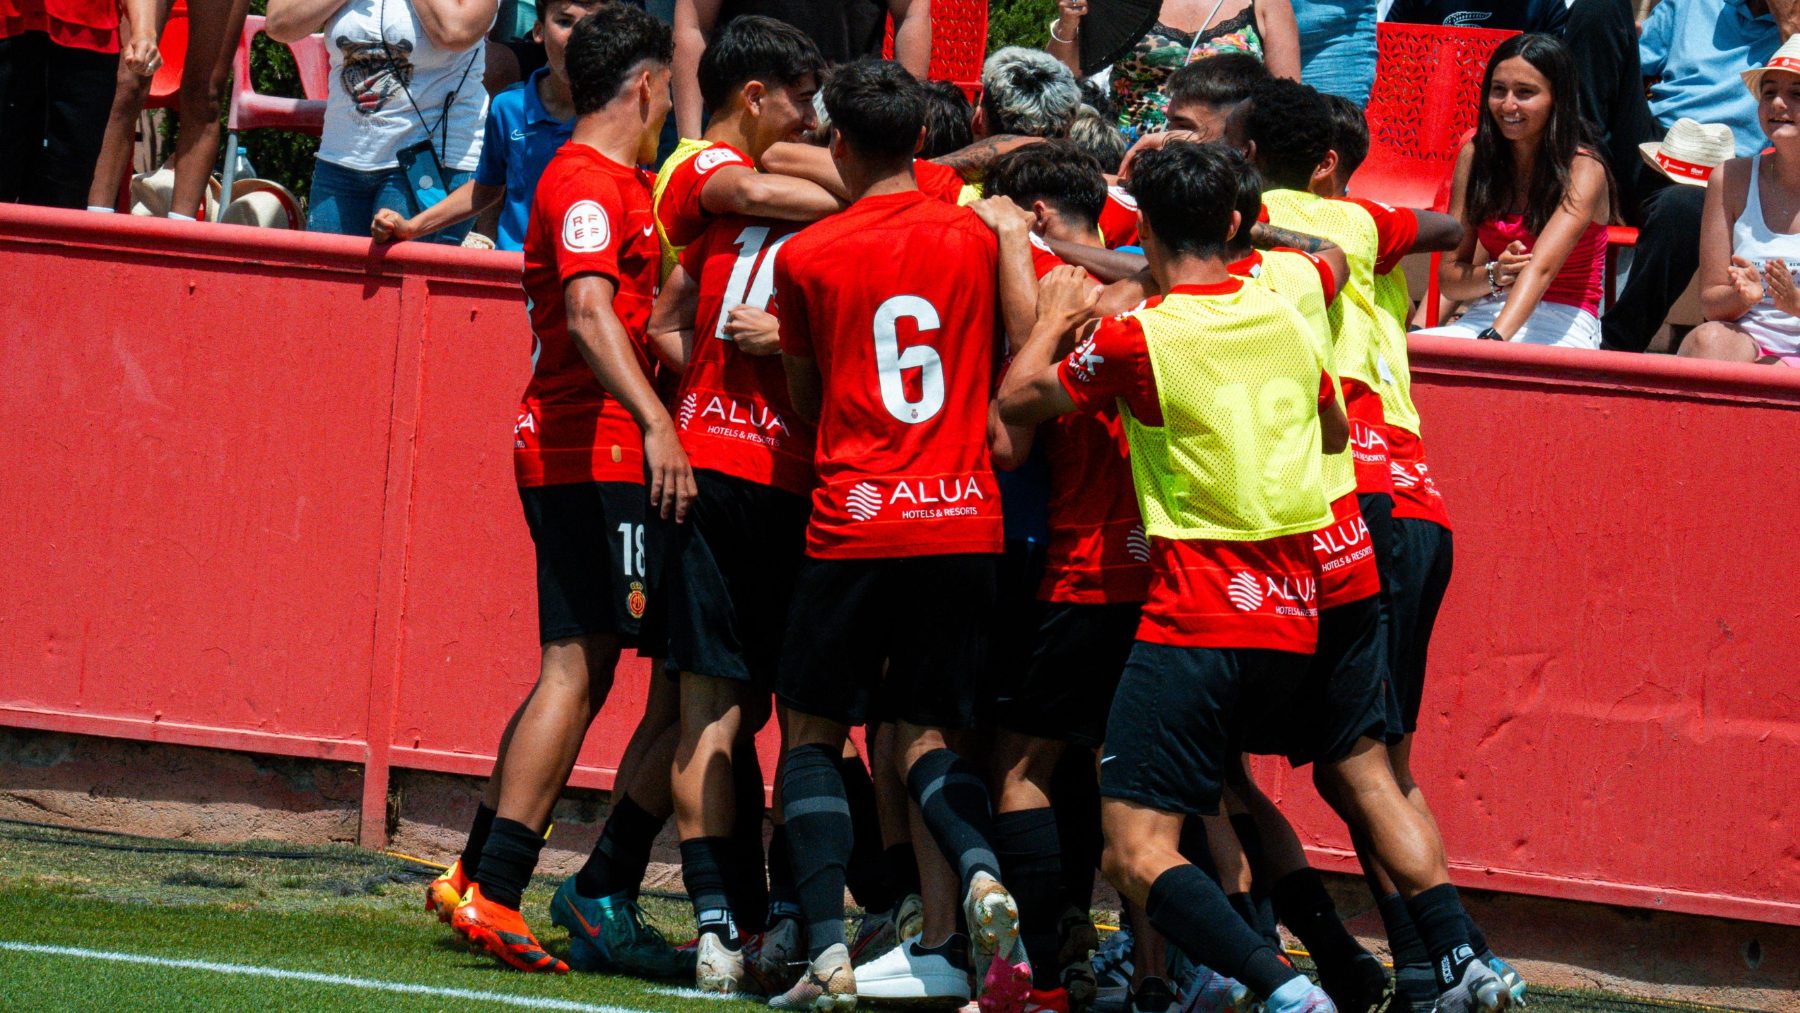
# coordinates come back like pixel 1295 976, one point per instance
pixel 1138 77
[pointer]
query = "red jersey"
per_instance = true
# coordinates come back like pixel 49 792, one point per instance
pixel 590 215
pixel 678 208
pixel 1119 218
pixel 1203 593
pixel 1097 553
pixel 733 410
pixel 1346 556
pixel 1396 230
pixel 938 181
pixel 1415 492
pixel 895 299
pixel 92 25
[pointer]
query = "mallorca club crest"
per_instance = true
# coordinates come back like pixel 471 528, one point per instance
pixel 635 600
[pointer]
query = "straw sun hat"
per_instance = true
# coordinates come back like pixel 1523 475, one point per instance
pixel 1690 151
pixel 1787 59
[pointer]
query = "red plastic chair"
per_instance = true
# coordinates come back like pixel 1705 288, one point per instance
pixel 1427 96
pixel 959 30
pixel 252 110
pixel 165 86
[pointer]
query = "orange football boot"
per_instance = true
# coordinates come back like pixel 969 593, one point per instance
pixel 444 893
pixel 503 932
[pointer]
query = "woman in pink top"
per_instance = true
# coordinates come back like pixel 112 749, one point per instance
pixel 1533 193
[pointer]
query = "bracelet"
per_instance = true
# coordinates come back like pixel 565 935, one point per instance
pixel 1489 334
pixel 1056 23
pixel 1493 283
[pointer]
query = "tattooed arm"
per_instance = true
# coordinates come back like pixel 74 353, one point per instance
pixel 1264 236
pixel 971 163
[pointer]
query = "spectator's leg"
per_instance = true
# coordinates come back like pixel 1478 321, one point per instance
pixel 129 92
pixel 342 200
pixel 1665 260
pixel 78 89
pixel 214 30
pixel 1337 46
pixel 21 110
pixel 1720 341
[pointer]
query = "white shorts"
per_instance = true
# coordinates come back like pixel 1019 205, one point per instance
pixel 1552 323
pixel 1774 332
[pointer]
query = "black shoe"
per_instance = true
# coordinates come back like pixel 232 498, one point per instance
pixel 1357 985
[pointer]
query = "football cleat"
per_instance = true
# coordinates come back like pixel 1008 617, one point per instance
pixel 1079 941
pixel 874 936
pixel 717 967
pixel 828 984
pixel 443 894
pixel 909 916
pixel 1356 986
pixel 1479 990
pixel 609 934
pixel 1313 1001
pixel 502 932
pixel 780 958
pixel 1112 966
pixel 1515 983
pixel 993 919
pixel 1207 991
pixel 910 971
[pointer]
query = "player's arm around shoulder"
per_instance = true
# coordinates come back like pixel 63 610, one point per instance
pixel 736 188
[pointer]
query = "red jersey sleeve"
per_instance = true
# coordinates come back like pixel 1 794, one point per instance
pixel 938 181
pixel 1327 389
pixel 1042 260
pixel 679 211
pixel 1326 282
pixel 1396 229
pixel 592 213
pixel 1112 363
pixel 796 333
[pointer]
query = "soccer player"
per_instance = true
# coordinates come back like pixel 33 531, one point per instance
pixel 1288 131
pixel 1095 575
pixel 1420 557
pixel 888 337
pixel 591 435
pixel 729 571
pixel 1218 382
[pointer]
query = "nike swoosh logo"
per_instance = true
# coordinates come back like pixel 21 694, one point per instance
pixel 650 230
pixel 585 927
pixel 516 135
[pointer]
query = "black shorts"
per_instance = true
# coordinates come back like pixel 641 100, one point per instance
pixel 1177 716
pixel 1344 696
pixel 1066 692
pixel 728 578
pixel 1013 634
pixel 1423 558
pixel 925 618
pixel 590 558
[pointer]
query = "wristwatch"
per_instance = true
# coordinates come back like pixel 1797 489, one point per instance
pixel 1489 334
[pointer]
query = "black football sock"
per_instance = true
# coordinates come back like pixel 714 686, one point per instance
pixel 507 861
pixel 1031 865
pixel 1477 939
pixel 1303 905
pixel 784 897
pixel 1252 913
pixel 620 856
pixel 1445 929
pixel 902 864
pixel 703 864
pixel 954 802
pixel 746 879
pixel 1262 878
pixel 1188 908
pixel 478 835
pixel 819 835
pixel 1077 794
pixel 866 873
pixel 1413 977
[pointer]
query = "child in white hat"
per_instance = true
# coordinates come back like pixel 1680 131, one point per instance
pixel 1750 233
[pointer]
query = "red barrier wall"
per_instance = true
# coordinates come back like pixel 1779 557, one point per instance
pixel 259 497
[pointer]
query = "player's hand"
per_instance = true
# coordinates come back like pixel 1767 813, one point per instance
pixel 1002 215
pixel 756 332
pixel 141 56
pixel 1070 13
pixel 1068 294
pixel 672 488
pixel 389 226
pixel 1780 282
pixel 1512 262
pixel 1746 279
pixel 1151 142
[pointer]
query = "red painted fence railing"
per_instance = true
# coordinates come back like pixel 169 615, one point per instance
pixel 257 495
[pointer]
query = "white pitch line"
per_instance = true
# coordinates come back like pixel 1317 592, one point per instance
pixel 312 977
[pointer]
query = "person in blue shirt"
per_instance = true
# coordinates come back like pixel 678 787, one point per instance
pixel 526 124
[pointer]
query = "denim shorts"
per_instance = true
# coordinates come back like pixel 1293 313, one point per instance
pixel 1337 46
pixel 344 201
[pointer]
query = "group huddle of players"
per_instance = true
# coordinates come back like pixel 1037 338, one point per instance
pixel 1073 497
